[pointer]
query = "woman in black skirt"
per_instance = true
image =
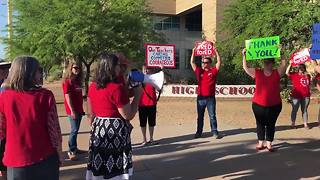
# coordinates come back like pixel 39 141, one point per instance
pixel 110 112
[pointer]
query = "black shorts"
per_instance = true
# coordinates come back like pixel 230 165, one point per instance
pixel 147 114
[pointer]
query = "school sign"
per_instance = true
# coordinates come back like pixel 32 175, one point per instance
pixel 228 91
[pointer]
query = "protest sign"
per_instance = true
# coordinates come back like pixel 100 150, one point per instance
pixel 204 48
pixel 160 54
pixel 300 57
pixel 315 51
pixel 263 48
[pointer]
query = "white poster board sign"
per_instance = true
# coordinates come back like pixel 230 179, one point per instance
pixel 160 54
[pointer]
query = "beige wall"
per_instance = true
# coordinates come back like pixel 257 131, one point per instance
pixel 162 6
pixel 211 12
pixel 184 5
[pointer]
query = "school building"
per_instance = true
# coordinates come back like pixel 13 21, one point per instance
pixel 183 22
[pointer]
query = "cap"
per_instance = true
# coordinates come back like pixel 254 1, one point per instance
pixel 123 60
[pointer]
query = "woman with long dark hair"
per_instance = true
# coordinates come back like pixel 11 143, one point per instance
pixel 29 122
pixel 300 93
pixel 109 113
pixel 266 102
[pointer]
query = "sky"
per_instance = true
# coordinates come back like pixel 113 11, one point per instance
pixel 3 23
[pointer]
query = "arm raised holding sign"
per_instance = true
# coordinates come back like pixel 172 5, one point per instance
pixel 218 64
pixel 282 68
pixel 192 63
pixel 249 71
pixel 288 70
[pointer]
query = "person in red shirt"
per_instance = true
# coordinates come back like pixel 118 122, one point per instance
pixel 73 102
pixel 147 109
pixel 266 101
pixel 109 113
pixel 206 76
pixel 300 93
pixel 29 122
pixel 4 70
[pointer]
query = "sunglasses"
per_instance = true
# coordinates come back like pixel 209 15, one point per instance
pixel 205 62
pixel 76 68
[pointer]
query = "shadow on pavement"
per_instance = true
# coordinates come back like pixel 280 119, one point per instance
pixel 236 160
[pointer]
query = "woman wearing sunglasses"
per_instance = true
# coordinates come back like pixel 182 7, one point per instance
pixel 72 90
pixel 266 102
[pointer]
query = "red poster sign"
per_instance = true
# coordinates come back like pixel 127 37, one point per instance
pixel 204 48
pixel 300 57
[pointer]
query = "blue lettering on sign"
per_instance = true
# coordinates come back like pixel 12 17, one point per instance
pixel 315 51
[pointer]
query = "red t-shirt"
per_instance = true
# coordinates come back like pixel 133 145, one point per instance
pixel 300 85
pixel 267 91
pixel 26 117
pixel 150 100
pixel 206 81
pixel 75 92
pixel 105 102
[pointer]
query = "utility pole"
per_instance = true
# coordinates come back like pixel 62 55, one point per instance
pixel 10 29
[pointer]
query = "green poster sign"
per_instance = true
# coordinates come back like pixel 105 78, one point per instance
pixel 263 48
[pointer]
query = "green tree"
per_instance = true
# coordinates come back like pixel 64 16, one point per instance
pixel 292 20
pixel 55 30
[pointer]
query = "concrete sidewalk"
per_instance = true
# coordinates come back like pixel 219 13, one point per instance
pixel 179 156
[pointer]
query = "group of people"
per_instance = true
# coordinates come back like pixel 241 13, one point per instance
pixel 266 102
pixel 31 140
pixel 30 130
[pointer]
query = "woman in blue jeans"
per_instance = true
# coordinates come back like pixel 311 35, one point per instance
pixel 300 93
pixel 73 101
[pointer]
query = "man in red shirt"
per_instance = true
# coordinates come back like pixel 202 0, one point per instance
pixel 206 76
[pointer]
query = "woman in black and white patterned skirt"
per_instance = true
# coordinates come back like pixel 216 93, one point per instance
pixel 110 110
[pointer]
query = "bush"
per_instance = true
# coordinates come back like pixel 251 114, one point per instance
pixel 286 94
pixel 55 73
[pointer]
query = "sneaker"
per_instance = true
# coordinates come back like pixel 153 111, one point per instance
pixel 197 135
pixel 78 151
pixel 72 156
pixel 307 127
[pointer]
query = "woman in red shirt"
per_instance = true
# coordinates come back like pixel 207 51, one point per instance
pixel 147 109
pixel 72 90
pixel 109 113
pixel 266 102
pixel 300 93
pixel 29 122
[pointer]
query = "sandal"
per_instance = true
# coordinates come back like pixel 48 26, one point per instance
pixel 271 149
pixel 153 142
pixel 260 148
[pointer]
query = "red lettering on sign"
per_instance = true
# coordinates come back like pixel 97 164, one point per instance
pixel 175 90
pixel 190 90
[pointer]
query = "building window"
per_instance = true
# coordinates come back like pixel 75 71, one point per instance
pixel 197 59
pixel 167 23
pixel 177 58
pixel 194 21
